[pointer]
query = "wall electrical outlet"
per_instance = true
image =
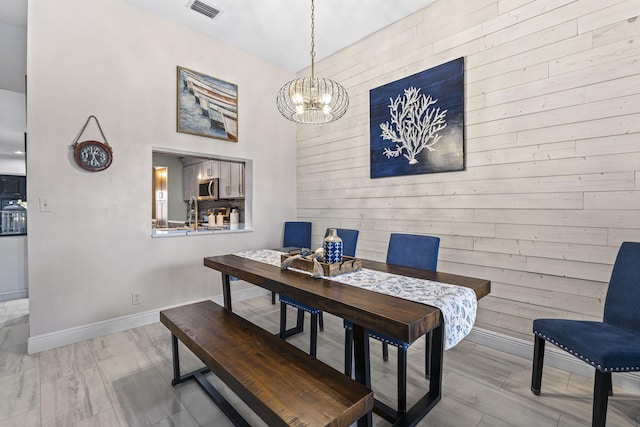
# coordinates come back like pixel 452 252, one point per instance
pixel 136 298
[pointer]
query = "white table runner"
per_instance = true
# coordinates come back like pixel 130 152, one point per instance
pixel 458 304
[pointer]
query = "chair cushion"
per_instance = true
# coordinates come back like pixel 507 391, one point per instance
pixel 608 348
pixel 301 306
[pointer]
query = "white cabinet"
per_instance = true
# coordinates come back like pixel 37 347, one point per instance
pixel 224 187
pixel 230 174
pixel 190 181
pixel 231 180
pixel 210 169
pixel 237 178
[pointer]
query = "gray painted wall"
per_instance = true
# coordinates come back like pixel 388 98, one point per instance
pixel 94 248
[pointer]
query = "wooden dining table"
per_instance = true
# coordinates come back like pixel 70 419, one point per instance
pixel 394 317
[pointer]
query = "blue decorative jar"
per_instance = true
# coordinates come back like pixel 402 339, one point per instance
pixel 332 246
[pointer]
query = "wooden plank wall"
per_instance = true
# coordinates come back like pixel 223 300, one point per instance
pixel 552 184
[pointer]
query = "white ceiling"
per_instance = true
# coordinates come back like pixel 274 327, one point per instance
pixel 279 31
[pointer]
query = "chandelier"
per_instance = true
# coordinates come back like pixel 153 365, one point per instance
pixel 314 100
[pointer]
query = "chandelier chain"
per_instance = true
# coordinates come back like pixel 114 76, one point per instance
pixel 313 45
pixel 312 100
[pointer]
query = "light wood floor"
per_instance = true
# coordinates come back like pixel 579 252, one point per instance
pixel 123 379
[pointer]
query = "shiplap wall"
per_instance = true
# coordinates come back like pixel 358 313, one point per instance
pixel 552 138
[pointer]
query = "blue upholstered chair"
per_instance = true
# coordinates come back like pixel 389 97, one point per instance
pixel 349 243
pixel 612 345
pixel 297 235
pixel 408 250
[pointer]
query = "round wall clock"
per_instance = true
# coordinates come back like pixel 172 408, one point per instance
pixel 92 156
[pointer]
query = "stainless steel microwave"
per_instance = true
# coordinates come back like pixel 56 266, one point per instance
pixel 208 189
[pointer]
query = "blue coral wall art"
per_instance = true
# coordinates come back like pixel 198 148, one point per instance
pixel 417 123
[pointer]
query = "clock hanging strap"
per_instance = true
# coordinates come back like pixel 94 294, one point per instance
pixel 75 141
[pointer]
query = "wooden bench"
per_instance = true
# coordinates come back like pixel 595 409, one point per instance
pixel 281 383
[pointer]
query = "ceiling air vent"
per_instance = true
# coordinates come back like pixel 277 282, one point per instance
pixel 203 8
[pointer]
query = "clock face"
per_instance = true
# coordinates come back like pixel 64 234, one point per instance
pixel 93 155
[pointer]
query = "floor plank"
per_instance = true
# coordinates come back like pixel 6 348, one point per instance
pixel 123 379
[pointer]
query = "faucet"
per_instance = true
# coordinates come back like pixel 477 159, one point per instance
pixel 193 200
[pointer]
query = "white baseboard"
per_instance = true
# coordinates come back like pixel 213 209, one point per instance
pixel 553 357
pixel 11 295
pixel 518 347
pixel 56 339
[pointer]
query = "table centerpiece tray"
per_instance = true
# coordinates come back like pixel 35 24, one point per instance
pixel 347 265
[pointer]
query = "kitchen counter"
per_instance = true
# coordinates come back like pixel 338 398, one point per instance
pixel 202 230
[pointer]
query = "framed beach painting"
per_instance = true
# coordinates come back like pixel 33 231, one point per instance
pixel 417 123
pixel 207 106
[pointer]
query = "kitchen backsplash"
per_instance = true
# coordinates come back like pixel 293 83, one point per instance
pixel 206 205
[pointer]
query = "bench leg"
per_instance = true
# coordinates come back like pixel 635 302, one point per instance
pixel 198 375
pixel 226 408
pixel 177 378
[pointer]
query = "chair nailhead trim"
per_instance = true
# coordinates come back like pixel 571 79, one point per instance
pixel 591 362
pixel 302 307
pixel 395 343
pixel 392 342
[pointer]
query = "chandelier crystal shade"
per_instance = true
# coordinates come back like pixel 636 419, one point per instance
pixel 314 100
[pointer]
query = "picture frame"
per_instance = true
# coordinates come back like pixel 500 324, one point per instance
pixel 206 106
pixel 416 123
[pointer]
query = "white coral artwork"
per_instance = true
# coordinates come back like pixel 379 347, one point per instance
pixel 415 125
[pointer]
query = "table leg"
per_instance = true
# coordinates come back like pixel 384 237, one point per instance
pixel 226 291
pixel 437 361
pixel 362 365
pixel 176 360
pixel 422 407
